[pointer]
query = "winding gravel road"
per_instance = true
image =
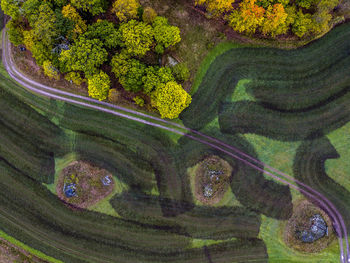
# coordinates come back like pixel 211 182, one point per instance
pixel 68 97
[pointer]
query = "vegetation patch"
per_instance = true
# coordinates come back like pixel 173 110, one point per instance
pixel 83 185
pixel 212 180
pixel 309 229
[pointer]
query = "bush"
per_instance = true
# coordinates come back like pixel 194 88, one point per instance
pixel 181 72
pixel 149 14
pixel 139 101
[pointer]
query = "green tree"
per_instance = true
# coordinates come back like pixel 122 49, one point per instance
pixel 11 8
pixel 154 76
pixel 15 31
pixel 126 9
pixel 165 34
pixel 30 10
pixel 302 24
pixel 74 77
pixel 95 7
pixel 98 85
pixel 181 72
pixel 39 51
pixel 306 3
pixel 106 32
pixel 85 55
pixel 45 25
pixel 149 14
pixel 129 71
pixel 170 99
pixel 137 37
pixel 50 70
pixel 139 101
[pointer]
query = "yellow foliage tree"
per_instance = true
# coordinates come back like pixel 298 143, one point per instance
pixel 216 7
pixel 170 99
pixel 71 13
pixel 248 18
pixel 275 21
pixel 50 71
pixel 126 9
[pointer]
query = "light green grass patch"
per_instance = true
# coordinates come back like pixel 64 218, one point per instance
pixel 240 92
pixel 339 169
pixel 198 243
pixel 28 249
pixel 277 154
pixel 271 231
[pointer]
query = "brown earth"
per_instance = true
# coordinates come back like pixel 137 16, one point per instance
pixel 87 178
pixel 219 182
pixel 302 212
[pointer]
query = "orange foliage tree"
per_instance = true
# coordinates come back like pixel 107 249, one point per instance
pixel 275 22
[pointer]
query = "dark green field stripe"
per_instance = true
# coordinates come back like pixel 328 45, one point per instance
pixel 309 168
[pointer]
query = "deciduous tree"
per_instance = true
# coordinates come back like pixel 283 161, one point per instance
pixel 149 14
pixel 170 99
pixel 71 13
pixel 45 25
pixel 181 72
pixel 74 77
pixel 216 7
pixel 85 55
pixel 126 9
pixel 95 7
pixel 98 85
pixel 15 31
pixel 11 7
pixel 137 37
pixel 165 34
pixel 247 18
pixel 106 32
pixel 302 24
pixel 275 21
pixel 50 70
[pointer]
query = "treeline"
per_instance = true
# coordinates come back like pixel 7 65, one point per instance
pixel 70 38
pixel 271 18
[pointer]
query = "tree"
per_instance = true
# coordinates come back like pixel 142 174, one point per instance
pixel 45 25
pixel 216 7
pixel 137 37
pixel 11 8
pixel 275 21
pixel 85 55
pixel 248 18
pixel 106 32
pixel 149 14
pixel 30 10
pixel 139 101
pixel 129 71
pixel 71 13
pixel 39 51
pixel 306 3
pixel 154 76
pixel 302 24
pixel 50 70
pixel 170 99
pixel 165 34
pixel 126 9
pixel 266 3
pixel 74 77
pixel 15 31
pixel 181 72
pixel 98 85
pixel 95 7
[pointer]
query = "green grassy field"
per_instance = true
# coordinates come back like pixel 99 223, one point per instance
pixel 286 108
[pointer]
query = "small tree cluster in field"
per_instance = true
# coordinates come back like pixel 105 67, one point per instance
pixel 64 37
pixel 275 17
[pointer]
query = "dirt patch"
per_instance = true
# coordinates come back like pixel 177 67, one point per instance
pixel 9 253
pixel 82 185
pixel 212 179
pixel 300 220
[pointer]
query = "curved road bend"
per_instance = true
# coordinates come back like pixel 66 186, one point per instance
pixel 323 202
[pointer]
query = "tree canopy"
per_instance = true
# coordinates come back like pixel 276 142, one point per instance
pixel 98 85
pixel 95 7
pixel 126 9
pixel 165 34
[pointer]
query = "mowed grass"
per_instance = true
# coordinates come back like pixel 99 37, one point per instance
pixel 271 232
pixel 339 169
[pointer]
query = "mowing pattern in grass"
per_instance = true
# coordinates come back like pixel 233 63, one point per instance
pixel 298 93
pixel 144 159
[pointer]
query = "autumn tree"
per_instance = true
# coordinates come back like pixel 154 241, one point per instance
pixel 149 14
pixel 74 77
pixel 165 34
pixel 126 9
pixel 302 23
pixel 50 70
pixel 266 3
pixel 95 7
pixel 106 32
pixel 39 51
pixel 84 55
pixel 216 7
pixel 11 7
pixel 129 71
pixel 98 85
pixel 170 99
pixel 275 21
pixel 137 37
pixel 71 13
pixel 247 18
pixel 15 31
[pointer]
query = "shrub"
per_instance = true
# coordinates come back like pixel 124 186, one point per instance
pixel 149 14
pixel 181 72
pixel 139 101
